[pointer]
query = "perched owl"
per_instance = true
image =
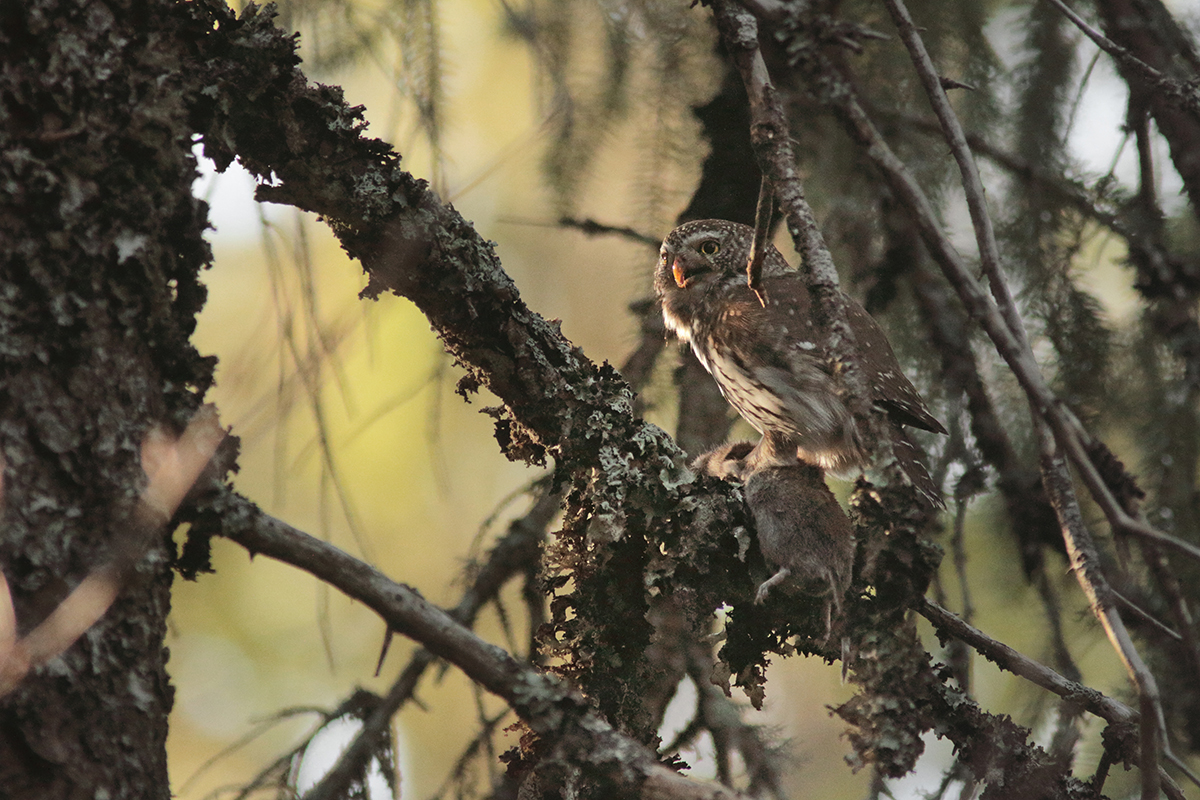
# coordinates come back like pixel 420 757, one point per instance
pixel 772 363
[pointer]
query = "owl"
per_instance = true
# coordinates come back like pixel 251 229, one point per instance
pixel 772 361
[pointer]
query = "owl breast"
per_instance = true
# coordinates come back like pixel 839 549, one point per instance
pixel 749 396
pixel 676 323
pixel 799 402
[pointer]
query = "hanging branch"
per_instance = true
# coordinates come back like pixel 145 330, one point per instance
pixel 1080 548
pixel 770 136
pixel 1146 30
pixel 1032 519
pixel 1108 709
pixel 1182 303
pixel 762 232
pixel 1186 96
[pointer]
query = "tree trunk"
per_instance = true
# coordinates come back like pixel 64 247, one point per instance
pixel 102 245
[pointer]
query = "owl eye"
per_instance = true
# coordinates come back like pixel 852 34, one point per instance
pixel 709 247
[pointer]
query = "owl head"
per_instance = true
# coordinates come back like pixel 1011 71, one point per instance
pixel 708 252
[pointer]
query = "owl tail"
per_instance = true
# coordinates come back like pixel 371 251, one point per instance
pixel 909 459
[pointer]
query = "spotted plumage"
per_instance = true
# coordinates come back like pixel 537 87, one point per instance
pixel 772 362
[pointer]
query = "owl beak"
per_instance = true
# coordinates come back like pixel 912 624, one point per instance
pixel 681 279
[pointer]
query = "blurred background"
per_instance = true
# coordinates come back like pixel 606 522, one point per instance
pixel 346 410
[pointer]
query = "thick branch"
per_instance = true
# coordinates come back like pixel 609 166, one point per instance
pixel 557 402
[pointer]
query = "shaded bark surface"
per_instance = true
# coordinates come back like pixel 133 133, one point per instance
pixel 101 246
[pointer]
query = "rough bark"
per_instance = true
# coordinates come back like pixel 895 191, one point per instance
pixel 102 244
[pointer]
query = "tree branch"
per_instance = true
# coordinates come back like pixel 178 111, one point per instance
pixel 1003 324
pixel 985 235
pixel 1085 563
pixel 590 227
pixel 544 702
pixel 1154 47
pixel 770 135
pixel 1024 366
pixel 1185 96
pixel 512 555
pixel 1007 658
pixel 556 403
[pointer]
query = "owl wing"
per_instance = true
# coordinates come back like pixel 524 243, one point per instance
pixel 891 390
pixel 787 318
pixel 781 336
pixel 783 349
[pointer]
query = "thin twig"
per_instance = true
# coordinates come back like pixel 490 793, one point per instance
pixel 350 764
pixel 1168 584
pixel 459 770
pixel 762 231
pixel 1182 766
pixel 1073 192
pixel 260 727
pixel 509 557
pixel 1062 655
pixel 1147 617
pixel 985 235
pixel 1084 559
pixel 1066 733
pixel 591 227
pixel 722 718
pixel 960 557
pixel 1007 658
